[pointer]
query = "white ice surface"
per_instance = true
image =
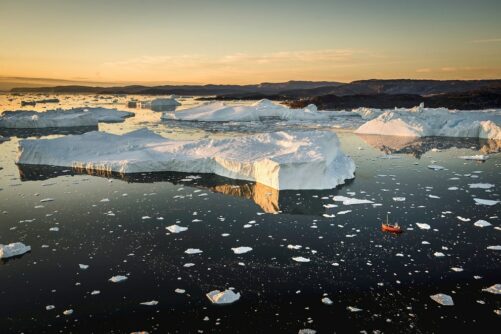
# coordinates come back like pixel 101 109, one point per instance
pixel 281 160
pixel 13 249
pixel 221 112
pixel 424 122
pixel 223 297
pixel 59 118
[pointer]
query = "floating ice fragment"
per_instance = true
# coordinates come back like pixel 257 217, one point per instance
pixel 193 251
pixel 13 249
pixel 463 219
pixel 351 201
pixel 433 196
pixel 188 265
pixel 46 200
pixel 54 229
pixel 50 307
pixel 482 223
pixel 327 301
pixel 68 312
pixel 95 292
pixel 117 279
pixel 241 250
pixel 423 226
pixel 150 303
pixel 105 200
pixel 343 212
pixel 300 259
pixel 481 185
pixel 223 297
pixel 479 157
pixel 294 247
pixel 443 299
pixel 176 228
pixel 399 199
pixel 354 309
pixel 497 247
pixel 436 167
pixel 439 254
pixel 495 289
pixel 457 269
pixel 83 266
pixel 489 202
pixel 180 291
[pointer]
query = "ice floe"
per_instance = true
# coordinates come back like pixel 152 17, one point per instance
pixel 482 223
pixel 301 259
pixel 423 226
pixel 478 157
pixel 13 249
pixel 241 250
pixel 480 185
pixel 351 201
pixel 176 228
pixel 494 289
pixel 281 160
pixel 497 247
pixel 59 118
pixel 193 251
pixel 117 279
pixel 221 112
pixel 223 297
pixel 488 202
pixel 443 299
pixel 425 122
pixel 150 303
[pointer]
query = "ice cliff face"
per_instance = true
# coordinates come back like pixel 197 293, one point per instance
pixel 281 160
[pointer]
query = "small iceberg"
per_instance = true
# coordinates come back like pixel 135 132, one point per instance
pixel 280 160
pixel 482 223
pixel 301 259
pixel 443 299
pixel 494 289
pixel 223 297
pixel 13 249
pixel 423 226
pixel 351 201
pixel 117 279
pixel 241 250
pixel 176 228
pixel 488 202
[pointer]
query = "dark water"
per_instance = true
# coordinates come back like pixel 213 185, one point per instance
pixel 389 277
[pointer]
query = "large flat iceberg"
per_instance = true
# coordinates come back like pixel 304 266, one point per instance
pixel 60 118
pixel 221 112
pixel 426 122
pixel 281 160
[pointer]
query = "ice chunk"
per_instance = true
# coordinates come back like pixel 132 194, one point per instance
pixel 482 223
pixel 495 289
pixel 301 259
pixel 68 312
pixel 489 202
pixel 439 254
pixel 223 297
pixel 354 309
pixel 399 199
pixel 443 299
pixel 435 167
pixel 294 247
pixel 479 157
pixel 423 226
pixel 83 266
pixel 497 247
pixel 117 279
pixel 193 251
pixel 241 250
pixel 221 112
pixel 327 301
pixel 176 228
pixel 351 201
pixel 13 249
pixel 281 160
pixel 424 122
pixel 481 185
pixel 150 303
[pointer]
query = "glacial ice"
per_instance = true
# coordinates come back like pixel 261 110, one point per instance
pixel 425 122
pixel 223 297
pixel 221 112
pixel 443 299
pixel 13 249
pixel 281 160
pixel 60 118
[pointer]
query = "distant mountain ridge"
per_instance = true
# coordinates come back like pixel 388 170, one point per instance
pixel 292 89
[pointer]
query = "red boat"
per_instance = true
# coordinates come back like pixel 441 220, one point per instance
pixel 391 228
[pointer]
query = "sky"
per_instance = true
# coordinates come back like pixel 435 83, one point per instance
pixel 236 41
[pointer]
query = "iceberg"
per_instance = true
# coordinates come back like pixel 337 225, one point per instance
pixel 443 299
pixel 223 297
pixel 441 122
pixel 281 160
pixel 221 112
pixel 13 249
pixel 60 118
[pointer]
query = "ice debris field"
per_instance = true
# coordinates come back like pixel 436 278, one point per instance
pixel 160 223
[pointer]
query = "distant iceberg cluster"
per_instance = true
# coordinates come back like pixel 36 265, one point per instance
pixel 221 112
pixel 281 160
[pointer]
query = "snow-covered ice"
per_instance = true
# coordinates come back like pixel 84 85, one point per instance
pixel 425 122
pixel 281 160
pixel 60 118
pixel 13 249
pixel 241 250
pixel 221 112
pixel 223 297
pixel 489 202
